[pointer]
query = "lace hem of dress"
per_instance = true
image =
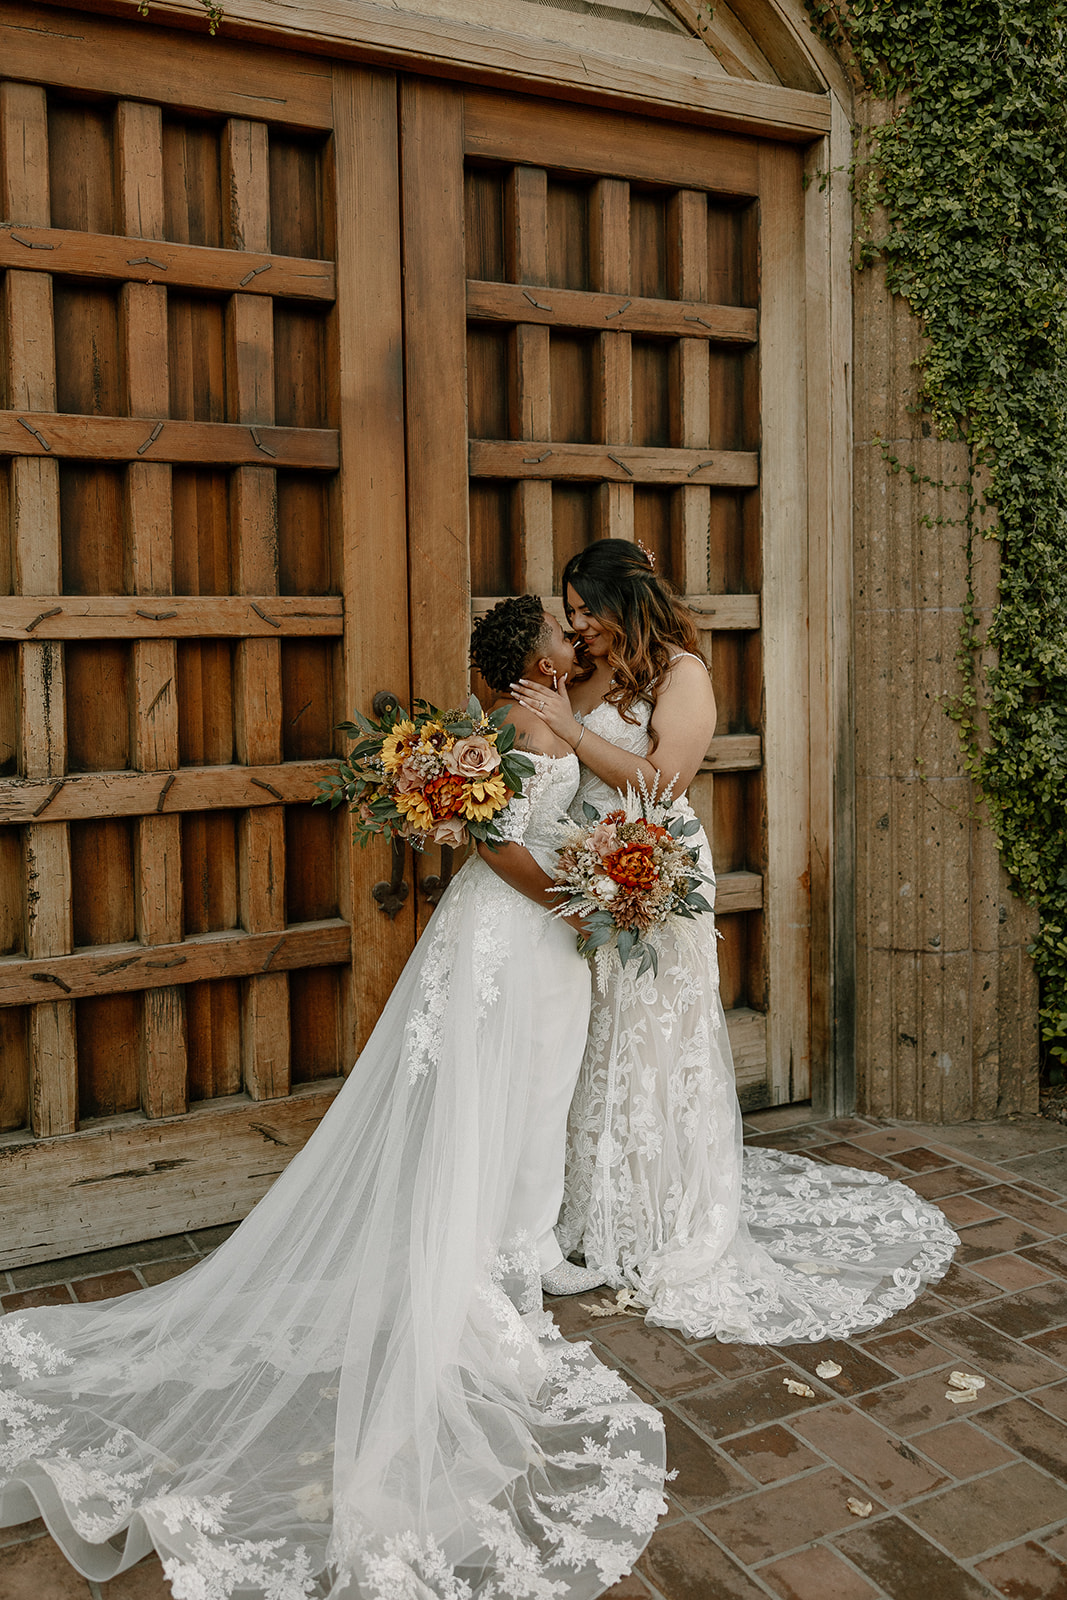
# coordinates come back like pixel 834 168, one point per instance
pixel 573 1522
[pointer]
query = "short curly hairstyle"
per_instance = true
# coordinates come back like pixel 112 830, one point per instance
pixel 506 639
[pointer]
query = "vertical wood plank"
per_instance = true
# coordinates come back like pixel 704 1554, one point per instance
pixel 36 554
pixel 153 687
pixel 265 1054
pixel 687 248
pixel 431 121
pixel 609 267
pixel 784 490
pixel 368 402
pixel 435 317
pixel 526 261
pixel 828 215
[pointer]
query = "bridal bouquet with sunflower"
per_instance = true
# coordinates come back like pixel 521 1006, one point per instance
pixel 432 777
pixel 627 872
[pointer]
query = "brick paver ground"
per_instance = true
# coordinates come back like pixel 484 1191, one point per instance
pixel 967 1501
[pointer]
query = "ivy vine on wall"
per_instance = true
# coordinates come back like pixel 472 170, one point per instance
pixel 969 173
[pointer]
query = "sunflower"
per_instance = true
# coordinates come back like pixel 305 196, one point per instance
pixel 415 807
pixel 435 737
pixel 396 746
pixel 485 797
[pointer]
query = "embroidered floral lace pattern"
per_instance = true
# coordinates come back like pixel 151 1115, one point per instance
pixel 760 1248
pixel 534 812
pixel 607 1494
pixel 359 1395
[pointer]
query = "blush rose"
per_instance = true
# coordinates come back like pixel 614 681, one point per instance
pixel 472 757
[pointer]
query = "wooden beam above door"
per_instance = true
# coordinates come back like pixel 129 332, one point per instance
pixel 357 30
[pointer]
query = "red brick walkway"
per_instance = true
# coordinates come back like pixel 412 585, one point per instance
pixel 967 1501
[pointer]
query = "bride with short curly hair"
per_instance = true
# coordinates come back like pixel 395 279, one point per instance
pixel 359 1395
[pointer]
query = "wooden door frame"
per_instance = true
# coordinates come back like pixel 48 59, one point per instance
pixel 806 489
pixel 821 125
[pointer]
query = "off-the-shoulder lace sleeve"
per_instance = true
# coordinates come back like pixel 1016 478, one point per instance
pixel 513 823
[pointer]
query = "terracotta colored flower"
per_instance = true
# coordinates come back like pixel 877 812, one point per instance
pixel 445 796
pixel 473 757
pixel 632 866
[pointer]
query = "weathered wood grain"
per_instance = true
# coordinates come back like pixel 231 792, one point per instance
pixel 715 612
pixel 434 284
pixel 530 398
pixel 369 32
pixel 162 1046
pixel 106 55
pixel 173 616
pixel 261 864
pixel 35 433
pixel 610 462
pixel 785 609
pixel 130 794
pixel 119 968
pixel 128 259
pixel 150 1179
pixel 367 388
pixel 747 1031
pixel 738 891
pixel 734 752
pixel 588 140
pixel 28 349
pixel 609 270
pixel 574 308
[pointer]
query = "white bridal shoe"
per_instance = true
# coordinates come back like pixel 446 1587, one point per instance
pixel 569 1279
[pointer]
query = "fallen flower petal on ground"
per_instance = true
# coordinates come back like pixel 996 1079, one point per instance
pixel 827 1369
pixel 796 1387
pixel 859 1508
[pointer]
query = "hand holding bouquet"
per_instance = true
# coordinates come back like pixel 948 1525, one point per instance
pixel 435 777
pixel 627 872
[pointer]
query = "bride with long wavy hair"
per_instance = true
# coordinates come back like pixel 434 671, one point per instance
pixel 755 1246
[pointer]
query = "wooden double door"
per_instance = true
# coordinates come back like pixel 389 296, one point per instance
pixel 300 362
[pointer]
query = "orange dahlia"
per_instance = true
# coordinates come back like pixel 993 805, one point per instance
pixel 632 866
pixel 445 795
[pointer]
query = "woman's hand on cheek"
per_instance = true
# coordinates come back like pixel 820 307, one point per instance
pixel 553 706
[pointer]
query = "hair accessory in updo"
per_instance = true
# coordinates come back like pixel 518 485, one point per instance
pixel 647 553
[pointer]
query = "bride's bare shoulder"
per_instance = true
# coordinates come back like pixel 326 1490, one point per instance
pixel 531 733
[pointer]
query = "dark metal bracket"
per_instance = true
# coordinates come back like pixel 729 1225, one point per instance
pixel 434 887
pixel 392 893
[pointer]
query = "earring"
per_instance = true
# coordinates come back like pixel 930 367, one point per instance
pixel 555 681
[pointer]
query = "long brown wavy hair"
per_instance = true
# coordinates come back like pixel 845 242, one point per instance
pixel 643 620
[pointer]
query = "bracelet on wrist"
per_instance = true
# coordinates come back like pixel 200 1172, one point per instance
pixel 579 739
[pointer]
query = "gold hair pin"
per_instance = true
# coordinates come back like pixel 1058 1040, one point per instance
pixel 647 553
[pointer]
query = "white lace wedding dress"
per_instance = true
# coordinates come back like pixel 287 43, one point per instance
pixel 755 1248
pixel 358 1394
